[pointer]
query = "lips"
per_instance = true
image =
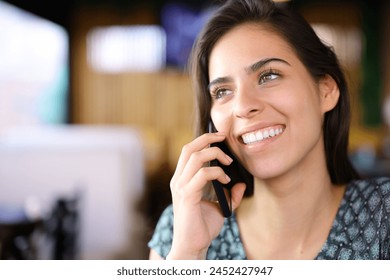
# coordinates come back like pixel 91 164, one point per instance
pixel 261 134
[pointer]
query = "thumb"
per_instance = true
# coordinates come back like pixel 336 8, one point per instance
pixel 237 193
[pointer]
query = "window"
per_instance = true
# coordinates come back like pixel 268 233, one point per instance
pixel 117 49
pixel 33 70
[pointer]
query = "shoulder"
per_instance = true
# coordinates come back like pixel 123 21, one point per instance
pixel 372 182
pixel 369 196
pixel 373 191
pixel 161 240
pixel 165 223
pixel 361 229
pixel 369 201
pixel 166 218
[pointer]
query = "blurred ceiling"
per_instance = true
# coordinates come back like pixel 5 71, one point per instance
pixel 59 11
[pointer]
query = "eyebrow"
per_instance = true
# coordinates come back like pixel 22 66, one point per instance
pixel 221 80
pixel 250 69
pixel 261 63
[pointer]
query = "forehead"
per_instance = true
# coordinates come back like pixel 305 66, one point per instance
pixel 249 42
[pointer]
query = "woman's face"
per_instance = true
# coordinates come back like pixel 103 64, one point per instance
pixel 266 102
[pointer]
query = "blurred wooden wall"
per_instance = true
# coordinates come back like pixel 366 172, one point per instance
pixel 159 104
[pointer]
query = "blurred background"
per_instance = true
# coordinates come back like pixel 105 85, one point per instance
pixel 95 105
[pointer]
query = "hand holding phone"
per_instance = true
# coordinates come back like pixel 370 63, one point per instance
pixel 236 172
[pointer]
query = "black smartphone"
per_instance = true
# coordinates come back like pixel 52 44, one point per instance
pixel 236 172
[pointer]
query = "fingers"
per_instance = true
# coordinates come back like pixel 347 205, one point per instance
pixel 204 175
pixel 192 191
pixel 237 194
pixel 198 144
pixel 196 219
pixel 197 160
pixel 193 173
pixel 195 154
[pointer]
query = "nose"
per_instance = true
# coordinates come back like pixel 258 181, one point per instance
pixel 247 103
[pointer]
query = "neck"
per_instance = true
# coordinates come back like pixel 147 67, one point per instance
pixel 293 204
pixel 291 213
pixel 302 192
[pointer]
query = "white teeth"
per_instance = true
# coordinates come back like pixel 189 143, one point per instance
pixel 257 136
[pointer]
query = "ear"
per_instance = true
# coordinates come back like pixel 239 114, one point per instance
pixel 329 93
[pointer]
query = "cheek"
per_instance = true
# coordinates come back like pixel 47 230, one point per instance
pixel 303 103
pixel 221 119
pixel 304 118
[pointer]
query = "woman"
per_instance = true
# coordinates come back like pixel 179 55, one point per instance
pixel 279 99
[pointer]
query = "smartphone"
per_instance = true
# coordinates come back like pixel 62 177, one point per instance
pixel 237 174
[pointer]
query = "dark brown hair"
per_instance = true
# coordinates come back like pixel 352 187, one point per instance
pixel 318 58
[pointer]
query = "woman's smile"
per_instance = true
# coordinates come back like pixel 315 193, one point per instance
pixel 261 135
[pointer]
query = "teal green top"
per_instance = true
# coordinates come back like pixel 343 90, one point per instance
pixel 361 229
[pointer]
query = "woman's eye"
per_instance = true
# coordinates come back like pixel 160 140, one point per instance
pixel 219 93
pixel 267 77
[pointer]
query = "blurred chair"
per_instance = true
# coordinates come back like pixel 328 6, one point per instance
pixel 16 234
pixel 63 228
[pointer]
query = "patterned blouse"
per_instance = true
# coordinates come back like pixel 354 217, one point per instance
pixel 361 229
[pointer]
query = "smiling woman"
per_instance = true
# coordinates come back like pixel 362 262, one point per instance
pixel 279 100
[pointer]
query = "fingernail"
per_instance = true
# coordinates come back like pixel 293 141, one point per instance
pixel 227 178
pixel 229 158
pixel 220 133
